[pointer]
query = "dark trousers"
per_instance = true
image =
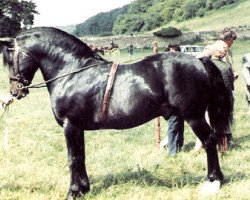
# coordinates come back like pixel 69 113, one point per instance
pixel 175 134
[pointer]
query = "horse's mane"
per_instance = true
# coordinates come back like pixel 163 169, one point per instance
pixel 62 39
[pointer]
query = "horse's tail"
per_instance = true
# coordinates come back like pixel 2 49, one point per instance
pixel 220 107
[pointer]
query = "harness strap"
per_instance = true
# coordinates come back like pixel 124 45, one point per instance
pixel 107 94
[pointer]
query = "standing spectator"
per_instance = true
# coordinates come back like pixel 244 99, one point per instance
pixel 175 133
pixel 130 50
pixel 246 76
pixel 155 47
pixel 173 47
pixel 221 55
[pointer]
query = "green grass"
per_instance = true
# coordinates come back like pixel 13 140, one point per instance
pixel 121 164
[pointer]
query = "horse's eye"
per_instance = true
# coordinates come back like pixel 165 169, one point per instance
pixel 26 82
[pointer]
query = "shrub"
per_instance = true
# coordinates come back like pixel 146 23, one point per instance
pixel 201 12
pixel 168 32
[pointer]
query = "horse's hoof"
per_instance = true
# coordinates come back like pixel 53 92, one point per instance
pixel 210 188
pixel 74 196
pixel 78 191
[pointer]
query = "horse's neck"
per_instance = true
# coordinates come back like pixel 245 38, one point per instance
pixel 54 68
pixel 54 61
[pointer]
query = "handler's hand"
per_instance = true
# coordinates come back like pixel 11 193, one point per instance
pixel 6 100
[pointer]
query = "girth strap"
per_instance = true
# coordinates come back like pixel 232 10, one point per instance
pixel 106 98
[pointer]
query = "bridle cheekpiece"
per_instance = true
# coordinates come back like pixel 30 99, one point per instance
pixel 22 83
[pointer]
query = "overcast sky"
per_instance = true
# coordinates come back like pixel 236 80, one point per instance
pixel 66 12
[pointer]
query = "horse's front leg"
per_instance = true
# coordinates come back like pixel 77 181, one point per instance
pixel 209 140
pixel 79 183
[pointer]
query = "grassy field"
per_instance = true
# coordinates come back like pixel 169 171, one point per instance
pixel 121 164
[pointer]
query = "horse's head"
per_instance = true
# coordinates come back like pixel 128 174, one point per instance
pixel 21 67
pixel 48 49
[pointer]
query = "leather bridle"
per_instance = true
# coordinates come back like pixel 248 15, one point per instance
pixel 21 81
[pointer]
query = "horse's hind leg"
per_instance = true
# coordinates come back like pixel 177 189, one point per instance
pixel 209 140
pixel 79 183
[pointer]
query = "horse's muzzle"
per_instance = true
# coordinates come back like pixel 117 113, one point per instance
pixel 18 90
pixel 19 94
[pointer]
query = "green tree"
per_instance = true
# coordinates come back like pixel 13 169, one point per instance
pixel 168 10
pixel 190 8
pixel 128 24
pixel 153 21
pixel 14 14
pixel 140 6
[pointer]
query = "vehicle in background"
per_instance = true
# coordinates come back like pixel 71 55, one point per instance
pixel 192 49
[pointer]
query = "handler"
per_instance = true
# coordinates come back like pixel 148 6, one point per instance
pixel 175 133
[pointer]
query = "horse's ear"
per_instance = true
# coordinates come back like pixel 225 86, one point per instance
pixel 6 41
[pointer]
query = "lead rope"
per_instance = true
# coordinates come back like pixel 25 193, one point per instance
pixel 43 84
pixel 6 130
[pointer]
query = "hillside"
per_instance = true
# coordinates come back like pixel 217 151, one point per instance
pixel 229 16
pixel 142 16
pixel 234 15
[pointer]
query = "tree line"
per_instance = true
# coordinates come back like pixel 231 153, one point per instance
pixel 146 15
pixel 15 15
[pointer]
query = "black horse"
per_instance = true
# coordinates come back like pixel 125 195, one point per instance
pixel 159 85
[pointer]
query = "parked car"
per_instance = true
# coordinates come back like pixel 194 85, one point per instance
pixel 192 49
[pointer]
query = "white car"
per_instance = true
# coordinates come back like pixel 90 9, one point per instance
pixel 192 49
